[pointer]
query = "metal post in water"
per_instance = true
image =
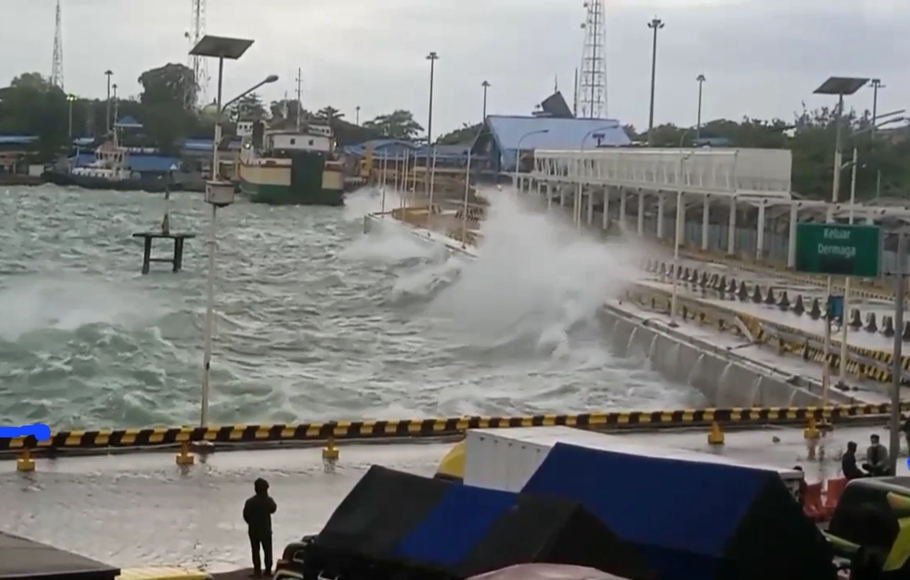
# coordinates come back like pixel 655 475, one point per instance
pixel 432 185
pixel 467 190
pixel 896 366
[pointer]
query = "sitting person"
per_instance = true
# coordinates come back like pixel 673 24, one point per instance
pixel 848 463
pixel 877 458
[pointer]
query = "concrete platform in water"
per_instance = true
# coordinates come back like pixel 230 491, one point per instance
pixel 141 510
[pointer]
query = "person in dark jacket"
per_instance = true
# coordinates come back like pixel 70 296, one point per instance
pixel 257 513
pixel 877 458
pixel 848 463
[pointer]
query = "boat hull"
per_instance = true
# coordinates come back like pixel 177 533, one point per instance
pixel 275 194
pixel 302 179
pixel 66 179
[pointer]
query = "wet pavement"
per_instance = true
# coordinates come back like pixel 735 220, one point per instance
pixel 804 324
pixel 140 510
pixel 865 304
pixel 778 447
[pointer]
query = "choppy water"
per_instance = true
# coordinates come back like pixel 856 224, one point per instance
pixel 314 319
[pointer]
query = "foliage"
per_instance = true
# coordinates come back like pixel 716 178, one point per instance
pixel 398 124
pixel 465 134
pixel 247 108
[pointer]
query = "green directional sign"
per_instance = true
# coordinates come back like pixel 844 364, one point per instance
pixel 839 249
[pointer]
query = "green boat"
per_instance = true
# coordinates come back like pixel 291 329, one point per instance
pixel 297 167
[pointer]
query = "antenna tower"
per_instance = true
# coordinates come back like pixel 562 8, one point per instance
pixel 592 81
pixel 198 63
pixel 57 65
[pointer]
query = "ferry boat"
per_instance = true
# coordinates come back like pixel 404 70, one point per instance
pixel 109 170
pixel 291 167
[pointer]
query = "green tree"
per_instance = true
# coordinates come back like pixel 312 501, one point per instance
pixel 166 113
pixel 248 108
pixel 32 105
pixel 463 135
pixel 398 124
pixel 329 114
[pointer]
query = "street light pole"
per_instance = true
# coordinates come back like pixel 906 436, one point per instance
pixel 897 355
pixel 655 25
pixel 357 115
pixel 432 57
pixel 876 85
pixel 576 210
pixel 701 82
pixel 518 153
pixel 680 221
pixel 69 100
pixel 107 120
pixel 485 86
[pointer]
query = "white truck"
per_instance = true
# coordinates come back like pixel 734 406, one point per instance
pixel 505 459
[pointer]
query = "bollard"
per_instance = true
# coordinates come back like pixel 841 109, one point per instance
pixel 25 463
pixel 330 454
pixel 693 278
pixel 816 311
pixel 905 336
pixel 770 300
pixel 856 319
pixel 716 435
pixel 743 293
pixel 703 280
pixel 756 295
pixel 799 307
pixel 888 326
pixel 871 325
pixel 811 435
pixel 784 302
pixel 731 288
pixel 184 457
pixel 721 284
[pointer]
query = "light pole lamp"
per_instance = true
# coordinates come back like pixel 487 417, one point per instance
pixel 217 193
pixel 840 87
pixel 655 25
pixel 518 152
pixel 701 81
pixel 107 120
pixel 70 99
pixel 576 210
pixel 357 115
pixel 432 57
pixel 485 86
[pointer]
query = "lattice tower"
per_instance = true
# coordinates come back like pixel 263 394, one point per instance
pixel 197 63
pixel 592 82
pixel 57 64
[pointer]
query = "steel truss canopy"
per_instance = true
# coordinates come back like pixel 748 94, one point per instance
pixel 221 47
pixel 841 86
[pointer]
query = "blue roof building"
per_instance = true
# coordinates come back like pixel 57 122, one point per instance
pixel 501 136
pixel 18 140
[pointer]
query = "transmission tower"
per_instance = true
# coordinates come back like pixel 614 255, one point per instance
pixel 198 63
pixel 592 82
pixel 57 65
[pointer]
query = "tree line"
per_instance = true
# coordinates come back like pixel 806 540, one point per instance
pixel 166 107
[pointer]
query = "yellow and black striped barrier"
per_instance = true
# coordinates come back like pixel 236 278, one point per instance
pixel 427 428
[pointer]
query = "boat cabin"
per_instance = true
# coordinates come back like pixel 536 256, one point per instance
pixel 109 163
pixel 312 138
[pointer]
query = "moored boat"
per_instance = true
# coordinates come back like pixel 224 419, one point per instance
pixel 296 167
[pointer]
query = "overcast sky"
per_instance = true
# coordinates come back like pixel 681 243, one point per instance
pixel 762 58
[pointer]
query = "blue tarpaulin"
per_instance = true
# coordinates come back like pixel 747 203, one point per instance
pixel 457 524
pixel 681 514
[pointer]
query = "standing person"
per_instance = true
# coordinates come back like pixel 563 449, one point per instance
pixel 257 513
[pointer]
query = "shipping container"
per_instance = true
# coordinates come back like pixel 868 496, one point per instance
pixel 505 459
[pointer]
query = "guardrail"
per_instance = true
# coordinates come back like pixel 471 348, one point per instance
pixel 428 428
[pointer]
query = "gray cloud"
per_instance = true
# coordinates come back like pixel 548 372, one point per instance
pixel 761 57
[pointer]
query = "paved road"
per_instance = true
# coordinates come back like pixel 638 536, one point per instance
pixel 140 510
